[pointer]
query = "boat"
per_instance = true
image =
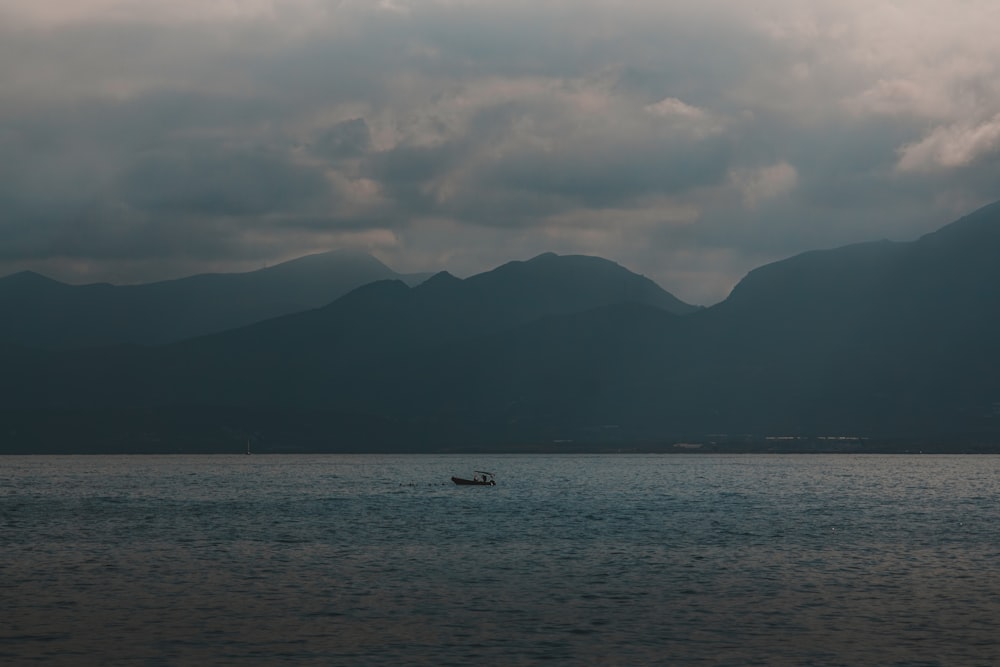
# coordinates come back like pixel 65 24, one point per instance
pixel 480 478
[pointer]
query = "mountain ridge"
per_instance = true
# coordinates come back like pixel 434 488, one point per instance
pixel 878 341
pixel 40 311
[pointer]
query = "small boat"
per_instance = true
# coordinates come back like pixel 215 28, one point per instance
pixel 481 478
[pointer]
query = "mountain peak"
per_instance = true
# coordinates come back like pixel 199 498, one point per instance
pixel 441 278
pixel 544 257
pixel 564 283
pixel 549 263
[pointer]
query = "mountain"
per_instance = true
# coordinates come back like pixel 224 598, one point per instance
pixel 367 353
pixel 875 342
pixel 358 350
pixel 38 311
pixel 883 338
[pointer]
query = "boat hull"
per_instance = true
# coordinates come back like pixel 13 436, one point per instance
pixel 471 482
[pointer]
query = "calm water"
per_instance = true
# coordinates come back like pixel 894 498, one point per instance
pixel 580 560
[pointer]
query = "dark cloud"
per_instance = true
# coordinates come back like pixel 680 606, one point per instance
pixel 200 180
pixel 347 139
pixel 688 140
pixel 617 175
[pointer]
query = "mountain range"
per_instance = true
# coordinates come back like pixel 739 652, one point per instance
pixel 39 311
pixel 876 345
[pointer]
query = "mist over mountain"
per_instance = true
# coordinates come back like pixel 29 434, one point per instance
pixel 39 311
pixel 874 342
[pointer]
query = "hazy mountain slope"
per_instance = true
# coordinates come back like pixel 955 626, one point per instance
pixel 881 337
pixel 41 312
pixel 358 350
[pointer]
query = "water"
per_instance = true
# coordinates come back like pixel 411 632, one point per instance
pixel 579 560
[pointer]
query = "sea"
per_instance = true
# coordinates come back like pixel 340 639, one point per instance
pixel 614 559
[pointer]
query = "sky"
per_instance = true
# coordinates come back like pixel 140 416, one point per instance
pixel 688 140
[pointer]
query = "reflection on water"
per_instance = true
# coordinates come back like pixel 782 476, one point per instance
pixel 589 560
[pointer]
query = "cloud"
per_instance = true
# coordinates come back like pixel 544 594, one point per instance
pixel 671 137
pixel 216 181
pixel 346 139
pixel 763 183
pixel 952 146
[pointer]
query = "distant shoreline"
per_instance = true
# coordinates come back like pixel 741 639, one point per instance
pixel 887 448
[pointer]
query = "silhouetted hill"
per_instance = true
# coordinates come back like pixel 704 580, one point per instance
pixel 880 338
pixel 38 311
pixel 378 347
pixel 372 352
pixel 876 341
pixel 550 284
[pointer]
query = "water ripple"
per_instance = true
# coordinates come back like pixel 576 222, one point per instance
pixel 585 560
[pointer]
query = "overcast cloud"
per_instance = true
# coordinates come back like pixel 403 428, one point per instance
pixel 690 141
